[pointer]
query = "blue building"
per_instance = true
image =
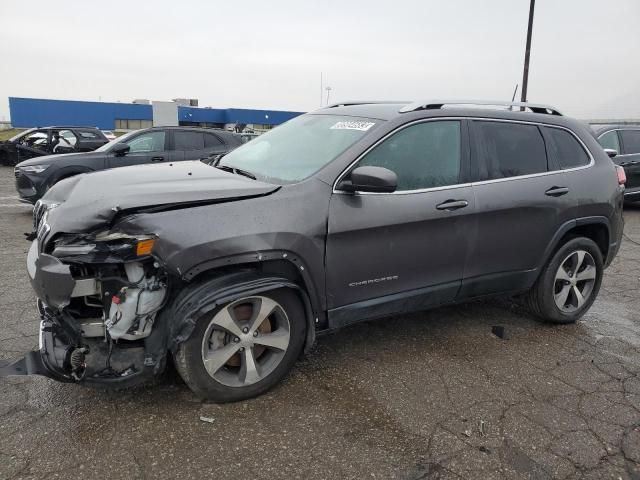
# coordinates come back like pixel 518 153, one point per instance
pixel 34 112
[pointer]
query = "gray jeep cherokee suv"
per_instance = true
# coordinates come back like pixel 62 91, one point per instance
pixel 351 212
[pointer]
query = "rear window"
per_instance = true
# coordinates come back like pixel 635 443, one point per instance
pixel 509 149
pixel 189 141
pixel 566 149
pixel 631 140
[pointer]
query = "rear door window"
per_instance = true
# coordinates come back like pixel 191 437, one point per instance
pixel 188 141
pixel 630 141
pixel 566 149
pixel 507 149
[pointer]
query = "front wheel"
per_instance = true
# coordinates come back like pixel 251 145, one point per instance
pixel 243 348
pixel 569 284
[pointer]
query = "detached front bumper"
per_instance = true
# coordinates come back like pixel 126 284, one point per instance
pixel 50 278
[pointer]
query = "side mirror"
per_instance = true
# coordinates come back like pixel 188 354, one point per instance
pixel 611 152
pixel 120 149
pixel 370 179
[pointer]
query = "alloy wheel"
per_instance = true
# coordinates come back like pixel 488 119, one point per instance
pixel 245 341
pixel 574 281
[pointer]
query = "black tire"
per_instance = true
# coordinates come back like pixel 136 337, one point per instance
pixel 190 364
pixel 541 298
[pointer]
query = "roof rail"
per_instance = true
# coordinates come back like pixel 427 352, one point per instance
pixel 364 102
pixel 438 104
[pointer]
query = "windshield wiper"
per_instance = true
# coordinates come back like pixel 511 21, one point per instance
pixel 237 171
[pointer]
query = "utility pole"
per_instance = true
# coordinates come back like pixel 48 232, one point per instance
pixel 328 89
pixel 527 53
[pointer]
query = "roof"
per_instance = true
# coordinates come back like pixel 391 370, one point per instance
pixel 58 127
pixel 391 110
pixel 600 129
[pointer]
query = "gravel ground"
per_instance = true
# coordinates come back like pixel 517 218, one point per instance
pixel 428 395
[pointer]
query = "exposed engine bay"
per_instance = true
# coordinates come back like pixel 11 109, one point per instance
pixel 99 296
pixel 111 310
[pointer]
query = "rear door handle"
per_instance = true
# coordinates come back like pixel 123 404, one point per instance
pixel 157 159
pixel 451 205
pixel 557 191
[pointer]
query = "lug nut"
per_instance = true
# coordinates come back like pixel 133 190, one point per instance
pixel 242 349
pixel 255 334
pixel 245 330
pixel 236 340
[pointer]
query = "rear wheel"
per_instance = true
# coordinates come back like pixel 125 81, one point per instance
pixel 569 284
pixel 243 348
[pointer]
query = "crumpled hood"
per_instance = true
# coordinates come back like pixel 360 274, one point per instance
pixel 90 200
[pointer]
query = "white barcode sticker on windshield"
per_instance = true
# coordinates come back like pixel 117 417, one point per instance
pixel 350 125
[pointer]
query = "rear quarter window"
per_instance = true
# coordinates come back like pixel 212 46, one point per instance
pixel 566 149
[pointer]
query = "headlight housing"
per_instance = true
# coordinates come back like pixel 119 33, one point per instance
pixel 34 168
pixel 104 247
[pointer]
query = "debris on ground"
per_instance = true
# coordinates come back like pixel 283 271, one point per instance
pixel 207 419
pixel 499 331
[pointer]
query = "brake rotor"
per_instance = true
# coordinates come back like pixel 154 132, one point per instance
pixel 243 313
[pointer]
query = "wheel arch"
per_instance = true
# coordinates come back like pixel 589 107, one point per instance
pixel 218 287
pixel 67 172
pixel 282 263
pixel 596 228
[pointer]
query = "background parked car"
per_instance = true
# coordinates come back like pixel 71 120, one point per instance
pixel 159 144
pixel 37 142
pixel 626 141
pixel 109 134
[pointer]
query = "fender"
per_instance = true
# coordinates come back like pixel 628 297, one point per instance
pixel 263 256
pixel 565 228
pixel 68 172
pixel 195 301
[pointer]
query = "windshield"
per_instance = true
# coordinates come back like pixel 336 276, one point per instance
pixel 21 134
pixel 299 148
pixel 107 146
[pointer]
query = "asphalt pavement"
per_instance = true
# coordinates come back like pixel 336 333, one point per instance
pixel 427 395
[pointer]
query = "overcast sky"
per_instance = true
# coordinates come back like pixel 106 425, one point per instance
pixel 269 54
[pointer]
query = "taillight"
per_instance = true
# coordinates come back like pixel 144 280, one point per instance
pixel 622 177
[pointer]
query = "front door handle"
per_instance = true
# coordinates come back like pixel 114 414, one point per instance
pixel 451 205
pixel 557 191
pixel 157 159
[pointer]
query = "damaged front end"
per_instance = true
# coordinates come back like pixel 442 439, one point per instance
pixel 99 296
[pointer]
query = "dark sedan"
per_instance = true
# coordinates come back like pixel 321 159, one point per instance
pixel 153 145
pixel 625 140
pixel 41 141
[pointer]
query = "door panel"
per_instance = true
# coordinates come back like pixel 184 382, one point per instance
pixel 393 248
pixel 385 244
pixel 519 206
pixel 630 160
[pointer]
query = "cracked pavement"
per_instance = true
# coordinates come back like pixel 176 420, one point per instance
pixel 427 395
